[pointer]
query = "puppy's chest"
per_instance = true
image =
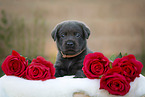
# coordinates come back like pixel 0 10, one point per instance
pixel 72 64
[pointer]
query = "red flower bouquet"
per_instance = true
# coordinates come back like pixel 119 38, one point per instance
pixel 116 76
pixel 39 68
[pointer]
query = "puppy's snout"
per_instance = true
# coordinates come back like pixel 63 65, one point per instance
pixel 70 44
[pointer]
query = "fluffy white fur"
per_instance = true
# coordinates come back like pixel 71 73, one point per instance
pixel 11 86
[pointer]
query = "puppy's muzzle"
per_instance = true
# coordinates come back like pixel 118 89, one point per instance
pixel 70 44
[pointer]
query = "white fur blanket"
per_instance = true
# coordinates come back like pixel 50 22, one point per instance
pixel 11 86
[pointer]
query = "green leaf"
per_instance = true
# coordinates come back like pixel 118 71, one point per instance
pixel 125 54
pixel 119 56
pixel 100 76
pixel 112 58
pixel 29 61
pixel 110 64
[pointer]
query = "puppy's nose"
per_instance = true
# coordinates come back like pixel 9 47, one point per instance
pixel 70 43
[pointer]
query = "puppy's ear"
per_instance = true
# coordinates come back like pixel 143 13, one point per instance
pixel 55 31
pixel 86 30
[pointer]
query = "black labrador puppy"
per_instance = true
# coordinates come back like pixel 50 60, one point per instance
pixel 70 37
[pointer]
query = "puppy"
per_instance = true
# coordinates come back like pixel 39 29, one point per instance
pixel 70 37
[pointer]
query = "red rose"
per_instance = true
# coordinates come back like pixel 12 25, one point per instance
pixel 114 83
pixel 115 70
pixel 131 67
pixel 40 69
pixel 119 71
pixel 14 65
pixel 95 65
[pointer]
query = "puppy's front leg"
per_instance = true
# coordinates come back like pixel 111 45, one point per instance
pixel 59 72
pixel 79 74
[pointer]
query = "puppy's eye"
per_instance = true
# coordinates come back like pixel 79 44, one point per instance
pixel 77 34
pixel 62 35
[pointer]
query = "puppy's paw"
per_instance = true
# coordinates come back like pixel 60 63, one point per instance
pixel 60 73
pixel 79 74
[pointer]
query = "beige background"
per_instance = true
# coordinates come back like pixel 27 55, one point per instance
pixel 116 25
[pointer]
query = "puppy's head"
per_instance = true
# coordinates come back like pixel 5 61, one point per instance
pixel 71 36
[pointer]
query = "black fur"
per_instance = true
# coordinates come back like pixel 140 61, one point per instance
pixel 70 37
